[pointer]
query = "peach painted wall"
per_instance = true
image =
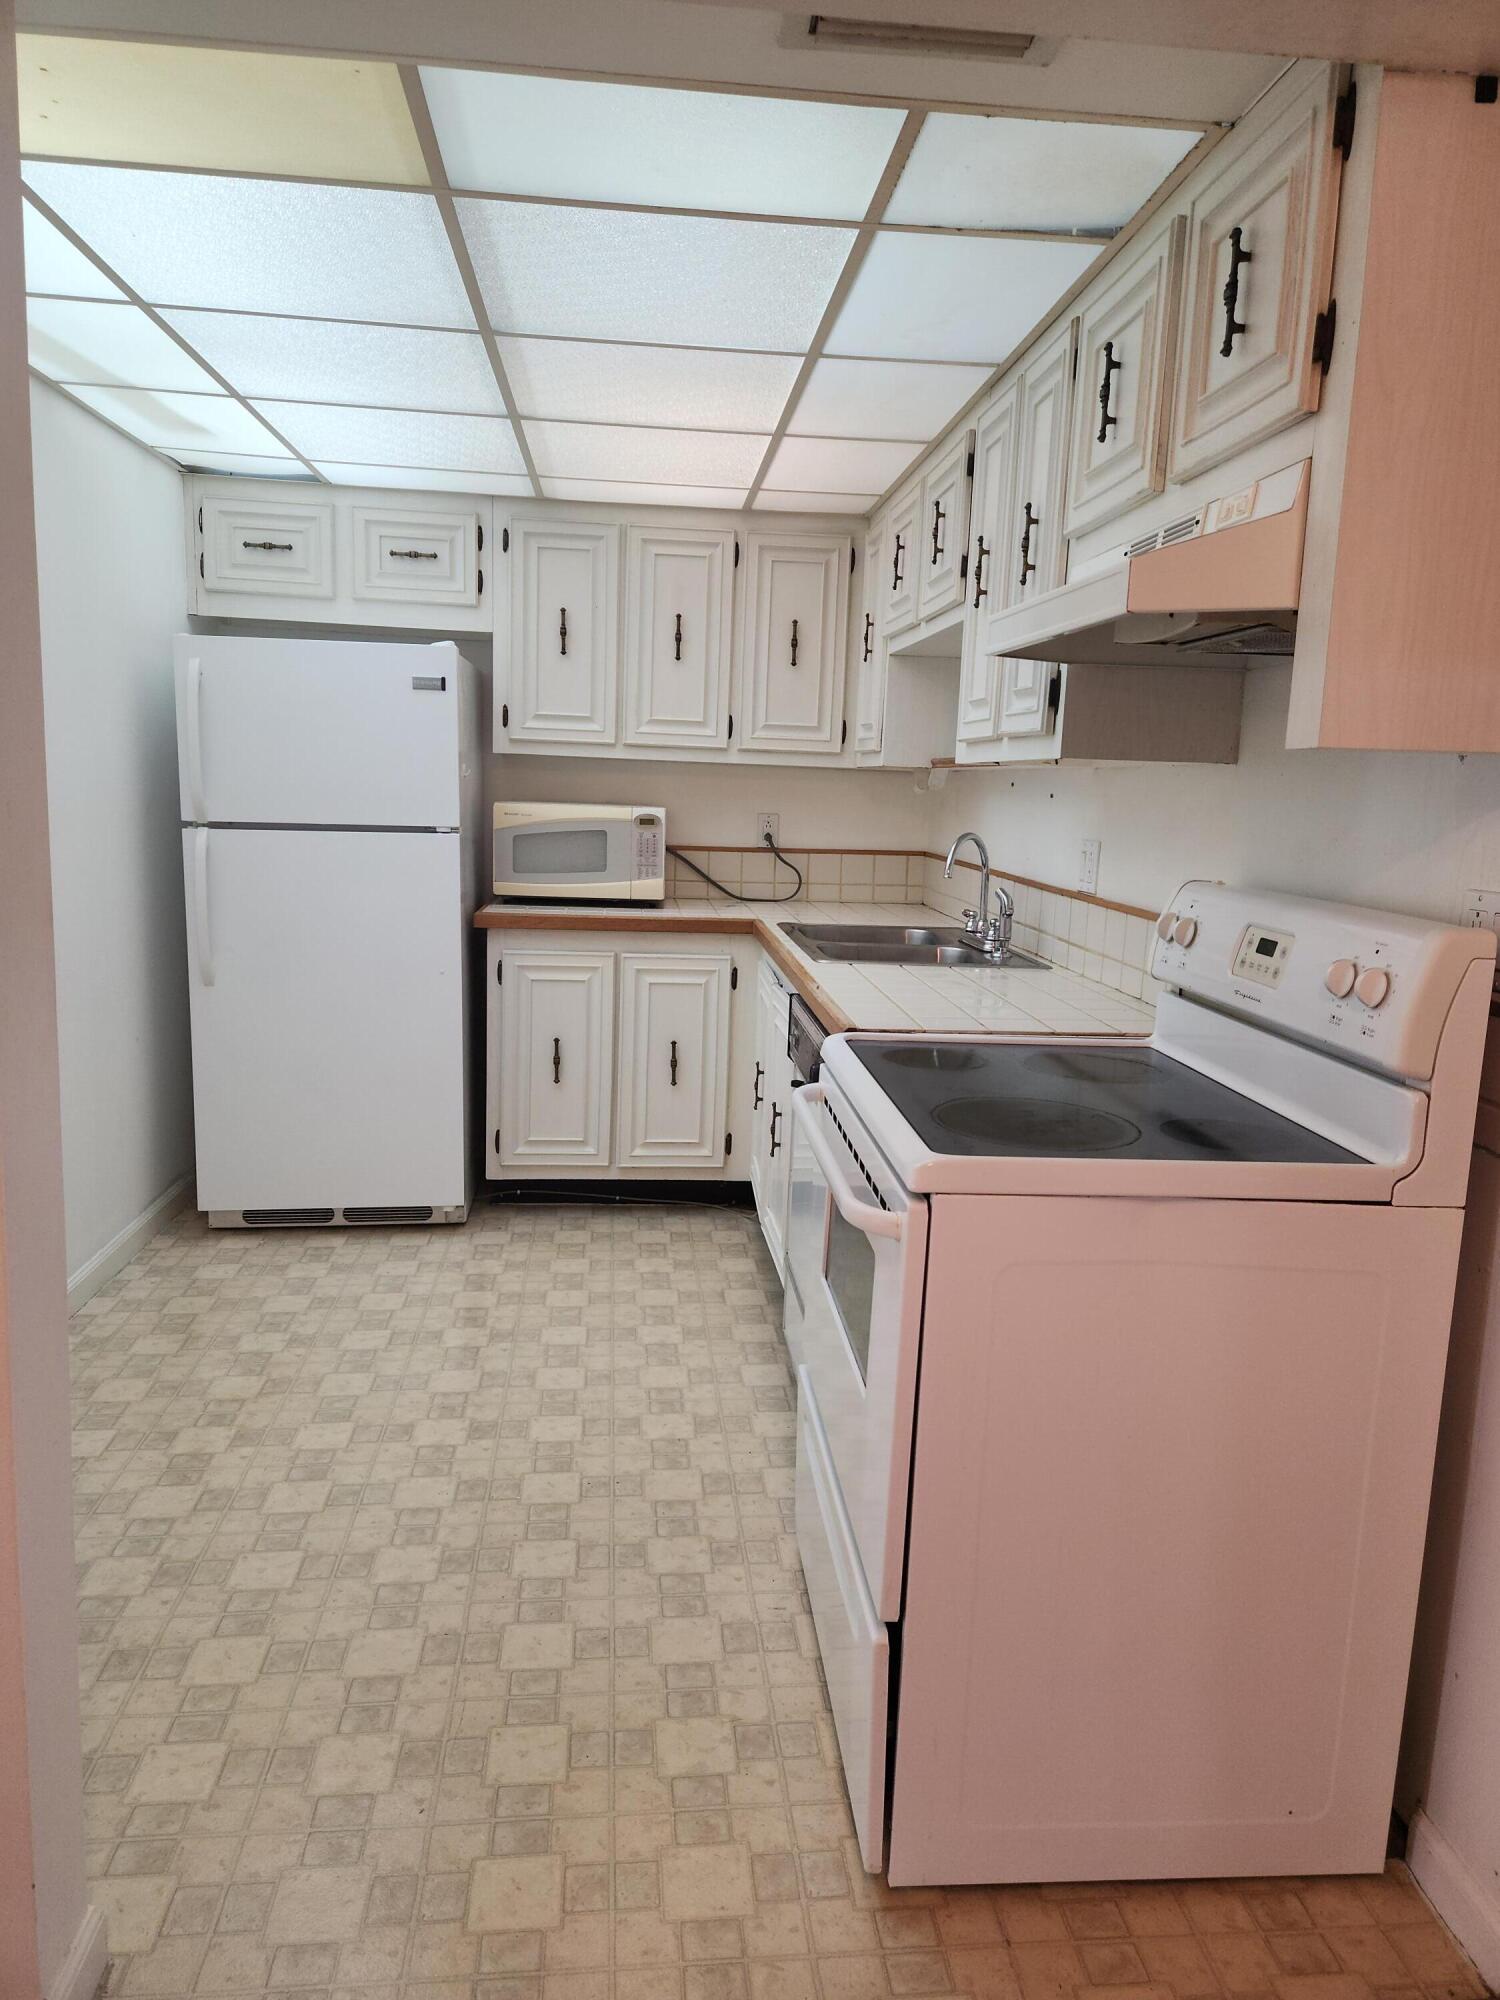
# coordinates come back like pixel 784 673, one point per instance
pixel 43 1903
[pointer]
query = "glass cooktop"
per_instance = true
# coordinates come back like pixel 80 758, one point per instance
pixel 1025 1101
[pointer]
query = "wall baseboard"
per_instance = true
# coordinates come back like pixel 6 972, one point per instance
pixel 81 1972
pixel 117 1253
pixel 1466 1906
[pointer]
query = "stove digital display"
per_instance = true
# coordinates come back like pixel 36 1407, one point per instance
pixel 1262 955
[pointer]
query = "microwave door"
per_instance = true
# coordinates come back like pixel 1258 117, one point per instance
pixel 564 855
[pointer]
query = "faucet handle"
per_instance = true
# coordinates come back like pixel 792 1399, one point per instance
pixel 971 922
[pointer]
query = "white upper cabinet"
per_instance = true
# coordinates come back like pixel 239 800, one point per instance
pixel 1028 701
pixel 272 547
pixel 900 560
pixel 870 661
pixel 1034 561
pixel 678 619
pixel 793 629
pixel 674 1059
pixel 1259 258
pixel 555 1031
pixel 1127 330
pixel 559 685
pixel 943 527
pixel 995 443
pixel 408 555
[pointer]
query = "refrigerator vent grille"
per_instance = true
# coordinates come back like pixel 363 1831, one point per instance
pixel 285 1218
pixel 387 1215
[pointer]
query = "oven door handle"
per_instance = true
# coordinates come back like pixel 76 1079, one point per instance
pixel 857 1212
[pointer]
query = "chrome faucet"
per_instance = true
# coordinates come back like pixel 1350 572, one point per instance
pixel 991 933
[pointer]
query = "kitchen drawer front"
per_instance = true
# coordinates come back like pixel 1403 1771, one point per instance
pixel 1259 258
pixel 280 549
pixel 1126 347
pixel 404 556
pixel 855 1645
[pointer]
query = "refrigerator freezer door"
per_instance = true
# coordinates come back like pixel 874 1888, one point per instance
pixel 318 732
pixel 326 974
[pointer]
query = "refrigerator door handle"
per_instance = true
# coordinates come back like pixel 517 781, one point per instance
pixel 193 738
pixel 202 939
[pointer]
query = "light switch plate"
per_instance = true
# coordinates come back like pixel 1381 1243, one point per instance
pixel 1088 867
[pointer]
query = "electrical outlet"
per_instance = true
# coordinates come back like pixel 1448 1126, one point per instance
pixel 1088 867
pixel 768 827
pixel 1482 909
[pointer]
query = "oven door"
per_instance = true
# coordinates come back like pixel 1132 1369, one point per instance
pixel 856 1265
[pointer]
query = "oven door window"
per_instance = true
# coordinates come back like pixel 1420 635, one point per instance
pixel 571 851
pixel 850 1270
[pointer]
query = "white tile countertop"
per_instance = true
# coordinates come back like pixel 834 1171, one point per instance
pixel 901 998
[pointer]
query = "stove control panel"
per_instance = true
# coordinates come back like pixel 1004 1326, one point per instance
pixel 1373 986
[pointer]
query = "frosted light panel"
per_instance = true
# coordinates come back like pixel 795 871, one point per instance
pixel 621 491
pixel 698 388
pixel 659 148
pixel 673 279
pixel 953 298
pixel 241 462
pixel 1033 173
pixel 838 465
pixel 608 451
pixel 333 361
pixel 181 424
pixel 263 246
pixel 884 399
pixel 184 107
pixel 422 480
pixel 53 264
pixel 397 437
pixel 83 340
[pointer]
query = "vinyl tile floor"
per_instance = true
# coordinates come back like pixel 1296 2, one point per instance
pixel 444 1639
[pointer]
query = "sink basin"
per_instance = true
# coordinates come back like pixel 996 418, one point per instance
pixel 902 944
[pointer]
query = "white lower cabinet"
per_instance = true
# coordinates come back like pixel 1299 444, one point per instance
pixel 771 1102
pixel 674 1039
pixel 555 1050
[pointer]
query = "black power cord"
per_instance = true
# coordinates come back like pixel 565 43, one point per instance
pixel 790 896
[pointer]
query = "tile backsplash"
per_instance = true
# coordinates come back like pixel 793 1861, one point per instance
pixel 830 874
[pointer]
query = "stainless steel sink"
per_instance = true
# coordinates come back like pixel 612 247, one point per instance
pixel 903 944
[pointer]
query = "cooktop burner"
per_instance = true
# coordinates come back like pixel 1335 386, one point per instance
pixel 1022 1100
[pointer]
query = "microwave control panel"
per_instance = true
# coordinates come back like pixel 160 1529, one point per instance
pixel 649 830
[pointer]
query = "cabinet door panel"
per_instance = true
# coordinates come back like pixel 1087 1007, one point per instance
pixel 1126 347
pixel 556 1047
pixel 564 633
pixel 944 528
pixel 795 613
pixel 677 637
pixel 1026 704
pixel 995 445
pixel 900 561
pixel 1260 229
pixel 870 716
pixel 1034 562
pixel 427 556
pixel 275 548
pixel 773 1131
pixel 674 1041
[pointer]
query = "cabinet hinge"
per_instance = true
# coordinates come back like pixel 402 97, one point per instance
pixel 481 583
pixel 963 566
pixel 1325 326
pixel 734 977
pixel 729 733
pixel 479 538
pixel 505 541
pixel 844 733
pixel 736 551
pixel 497 1138
pixel 200 520
pixel 499 971
pixel 969 466
pixel 851 558
pixel 505 715
pixel 1486 88
pixel 728 1144
pixel 1342 135
pixel 200 566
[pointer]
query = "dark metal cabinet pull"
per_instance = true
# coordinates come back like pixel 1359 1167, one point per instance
pixel 794 642
pixel 285 547
pixel 562 630
pixel 981 588
pixel 673 1065
pixel 775 1143
pixel 1029 520
pixel 1107 418
pixel 896 564
pixel 938 518
pixel 1238 255
pixel 415 555
pixel 677 639
pixel 557 1059
pixel 755 1087
pixel 869 633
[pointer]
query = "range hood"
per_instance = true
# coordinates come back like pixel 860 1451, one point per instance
pixel 1218 584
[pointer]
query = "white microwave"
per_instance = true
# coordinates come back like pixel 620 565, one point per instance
pixel 573 853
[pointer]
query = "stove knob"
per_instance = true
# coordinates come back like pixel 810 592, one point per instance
pixel 1166 923
pixel 1185 932
pixel 1340 978
pixel 1372 985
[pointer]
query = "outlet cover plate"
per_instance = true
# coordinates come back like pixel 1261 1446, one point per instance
pixel 768 824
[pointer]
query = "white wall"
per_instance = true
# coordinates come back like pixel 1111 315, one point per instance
pixel 1400 831
pixel 110 536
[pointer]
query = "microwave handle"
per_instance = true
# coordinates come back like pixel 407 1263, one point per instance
pixel 858 1213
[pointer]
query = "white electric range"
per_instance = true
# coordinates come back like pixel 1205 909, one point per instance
pixel 1119 1366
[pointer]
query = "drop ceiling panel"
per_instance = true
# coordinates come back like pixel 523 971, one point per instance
pixel 1028 173
pixel 256 467
pixel 422 479
pixel 773 502
pixel 332 361
pixel 885 399
pixel 670 279
pixel 397 437
pixel 622 492
pixel 53 264
pixel 178 423
pixel 200 107
pixel 668 457
pixel 262 246
pixel 839 465
pixel 87 340
pixel 599 382
pixel 953 298
pixel 659 148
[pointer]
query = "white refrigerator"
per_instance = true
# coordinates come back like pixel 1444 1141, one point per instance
pixel 330 791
